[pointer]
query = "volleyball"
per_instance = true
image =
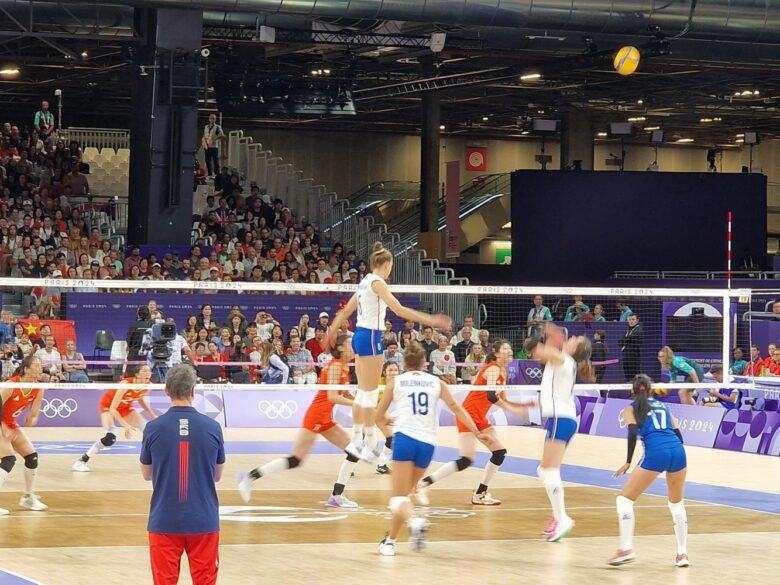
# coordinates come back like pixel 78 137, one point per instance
pixel 661 391
pixel 626 60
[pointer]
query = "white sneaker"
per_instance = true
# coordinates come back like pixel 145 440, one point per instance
pixel 386 549
pixel 421 493
pixel 32 502
pixel 484 499
pixel 4 512
pixel 80 466
pixel 341 501
pixel 622 557
pixel 418 527
pixel 245 486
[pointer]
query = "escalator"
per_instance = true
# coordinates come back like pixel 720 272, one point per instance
pixel 484 210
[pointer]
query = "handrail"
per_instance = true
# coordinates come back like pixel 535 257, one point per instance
pixel 695 274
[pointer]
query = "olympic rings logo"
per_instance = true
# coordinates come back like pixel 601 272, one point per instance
pixel 56 407
pixel 274 409
pixel 621 420
pixel 533 372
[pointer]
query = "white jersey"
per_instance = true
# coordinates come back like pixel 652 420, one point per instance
pixel 557 397
pixel 416 395
pixel 370 308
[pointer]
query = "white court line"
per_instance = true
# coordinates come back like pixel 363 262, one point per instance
pixel 491 510
pixel 372 543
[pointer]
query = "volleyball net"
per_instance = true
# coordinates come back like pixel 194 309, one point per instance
pixel 225 325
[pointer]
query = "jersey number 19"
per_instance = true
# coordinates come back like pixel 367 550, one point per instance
pixel 420 403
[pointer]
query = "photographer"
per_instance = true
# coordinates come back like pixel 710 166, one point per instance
pixel 163 346
pixel 134 338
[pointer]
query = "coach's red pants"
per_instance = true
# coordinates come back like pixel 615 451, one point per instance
pixel 202 551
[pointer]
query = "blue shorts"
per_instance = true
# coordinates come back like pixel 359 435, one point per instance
pixel 407 449
pixel 662 459
pixel 561 429
pixel 367 342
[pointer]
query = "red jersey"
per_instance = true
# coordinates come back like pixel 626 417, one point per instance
pixel 477 400
pixel 128 398
pixel 17 403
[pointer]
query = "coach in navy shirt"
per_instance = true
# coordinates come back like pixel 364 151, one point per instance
pixel 183 453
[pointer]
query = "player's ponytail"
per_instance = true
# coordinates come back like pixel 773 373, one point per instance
pixel 414 356
pixel 642 386
pixel 581 355
pixel 380 256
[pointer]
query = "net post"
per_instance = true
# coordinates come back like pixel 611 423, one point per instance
pixel 726 336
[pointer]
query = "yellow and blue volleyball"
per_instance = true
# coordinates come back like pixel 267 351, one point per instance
pixel 626 60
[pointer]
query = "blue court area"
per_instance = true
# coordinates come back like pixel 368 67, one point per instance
pixel 724 496
pixel 7 578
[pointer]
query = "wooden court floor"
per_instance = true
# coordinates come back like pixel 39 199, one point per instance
pixel 94 531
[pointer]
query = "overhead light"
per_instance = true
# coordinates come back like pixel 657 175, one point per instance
pixel 485 118
pixel 602 134
pixel 640 102
pixel 530 76
pixel 524 132
pixel 315 72
pixel 84 54
pixel 651 128
pixel 442 127
pixel 740 135
pixel 684 140
pixel 756 92
pixel 717 119
pixel 9 71
pixel 740 141
pixel 637 119
pixel 326 71
pixel 705 120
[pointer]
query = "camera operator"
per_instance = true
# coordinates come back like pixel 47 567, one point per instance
pixel 163 347
pixel 134 338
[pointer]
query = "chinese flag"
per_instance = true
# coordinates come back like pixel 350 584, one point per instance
pixel 62 330
pixel 476 159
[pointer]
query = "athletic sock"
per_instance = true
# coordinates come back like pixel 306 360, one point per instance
pixel 680 518
pixel 487 476
pixel 344 474
pixel 29 481
pixel 554 487
pixel 370 440
pixel 626 521
pixel 271 467
pixel 357 434
pixel 482 489
pixel 96 448
pixel 445 470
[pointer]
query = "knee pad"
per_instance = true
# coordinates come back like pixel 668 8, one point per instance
pixel 31 461
pixel 463 463
pixel 625 507
pixel 351 458
pixel 397 502
pixel 367 398
pixel 389 442
pixel 108 440
pixel 7 463
pixel 497 458
pixel 293 462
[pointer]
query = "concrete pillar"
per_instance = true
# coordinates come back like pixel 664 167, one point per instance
pixel 430 145
pixel 577 139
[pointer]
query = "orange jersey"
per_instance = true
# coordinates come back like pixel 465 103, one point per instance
pixel 128 398
pixel 17 403
pixel 319 416
pixel 478 401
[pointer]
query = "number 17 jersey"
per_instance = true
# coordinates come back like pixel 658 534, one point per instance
pixel 657 432
pixel 416 395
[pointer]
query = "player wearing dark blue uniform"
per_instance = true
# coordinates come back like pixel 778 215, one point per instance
pixel 651 421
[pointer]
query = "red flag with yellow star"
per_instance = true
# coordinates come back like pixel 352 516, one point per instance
pixel 61 330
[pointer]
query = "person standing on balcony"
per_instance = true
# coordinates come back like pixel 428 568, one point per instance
pixel 212 134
